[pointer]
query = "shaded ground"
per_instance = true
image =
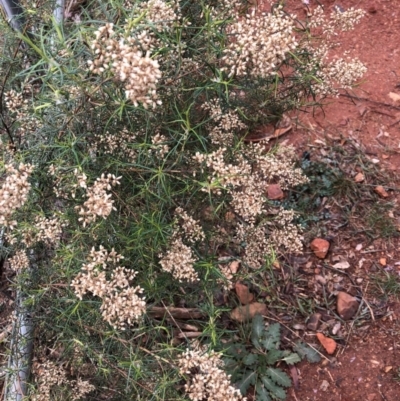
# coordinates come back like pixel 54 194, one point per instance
pixel 366 365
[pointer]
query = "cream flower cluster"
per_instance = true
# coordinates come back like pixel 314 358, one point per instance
pixel 257 244
pixel 343 20
pixel 116 144
pixel 338 74
pixel 224 125
pixel 259 44
pixel 285 233
pixel 277 167
pixel 344 73
pixel 159 146
pixel 138 72
pixel 49 229
pixel 14 192
pixel 246 181
pixel 19 261
pixel 191 228
pixel 17 103
pixel 179 261
pixel 49 375
pixel 179 258
pixel 160 14
pixel 206 379
pixel 122 306
pixel 98 203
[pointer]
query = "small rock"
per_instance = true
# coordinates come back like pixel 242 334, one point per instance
pixel 336 328
pixel 381 191
pixel 372 10
pixel 320 247
pixel 247 312
pixel 394 96
pixel 346 305
pixel 313 322
pixel 274 192
pixel 360 177
pixel 388 368
pixel 298 326
pixel 324 385
pixel 382 261
pixel 243 293
pixel 328 343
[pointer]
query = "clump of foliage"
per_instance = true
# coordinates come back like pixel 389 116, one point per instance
pixel 126 123
pixel 255 366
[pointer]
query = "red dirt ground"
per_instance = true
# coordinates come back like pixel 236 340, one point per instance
pixel 366 368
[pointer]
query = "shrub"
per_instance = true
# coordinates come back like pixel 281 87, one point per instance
pixel 126 125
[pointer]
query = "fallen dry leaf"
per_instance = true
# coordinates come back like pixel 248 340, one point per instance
pixel 295 376
pixel 247 312
pixel 328 343
pixel 342 265
pixel 281 131
pixel 382 261
pixel 263 133
pixel 243 293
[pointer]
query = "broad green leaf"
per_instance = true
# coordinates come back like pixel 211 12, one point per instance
pixel 262 393
pixel 305 351
pixel 257 330
pixel 275 391
pixel 274 356
pixel 272 337
pixel 250 359
pixel 248 379
pixel 291 359
pixel 279 376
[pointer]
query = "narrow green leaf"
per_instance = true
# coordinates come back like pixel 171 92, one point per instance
pixel 291 359
pixel 305 351
pixel 275 391
pixel 279 376
pixel 250 359
pixel 257 330
pixel 248 379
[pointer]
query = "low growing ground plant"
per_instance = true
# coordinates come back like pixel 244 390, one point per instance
pixel 256 366
pixel 128 186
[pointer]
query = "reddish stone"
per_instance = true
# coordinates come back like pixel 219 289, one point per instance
pixel 346 305
pixel 320 247
pixel 381 191
pixel 274 192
